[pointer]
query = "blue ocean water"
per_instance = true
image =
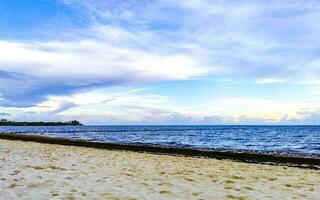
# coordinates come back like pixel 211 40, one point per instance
pixel 305 139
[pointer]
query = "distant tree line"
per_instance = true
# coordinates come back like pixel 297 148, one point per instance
pixel 4 122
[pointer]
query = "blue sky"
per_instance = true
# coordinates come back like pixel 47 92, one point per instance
pixel 160 62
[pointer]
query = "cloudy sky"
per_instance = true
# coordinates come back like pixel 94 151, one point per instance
pixel 160 62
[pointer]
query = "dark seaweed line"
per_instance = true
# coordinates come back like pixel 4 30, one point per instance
pixel 248 157
pixel 110 131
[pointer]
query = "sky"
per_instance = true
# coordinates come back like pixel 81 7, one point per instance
pixel 160 61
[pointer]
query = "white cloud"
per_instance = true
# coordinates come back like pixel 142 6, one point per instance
pixel 270 80
pixel 252 40
pixel 94 61
pixel 139 107
pixel 273 111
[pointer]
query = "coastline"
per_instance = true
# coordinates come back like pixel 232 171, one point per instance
pixel 31 170
pixel 301 160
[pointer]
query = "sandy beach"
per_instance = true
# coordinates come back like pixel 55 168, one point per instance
pixel 30 170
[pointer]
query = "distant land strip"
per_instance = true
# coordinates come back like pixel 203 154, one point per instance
pixel 285 159
pixel 4 122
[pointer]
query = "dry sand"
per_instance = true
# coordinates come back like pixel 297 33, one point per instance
pixel 31 170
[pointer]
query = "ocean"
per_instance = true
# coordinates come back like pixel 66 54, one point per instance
pixel 303 139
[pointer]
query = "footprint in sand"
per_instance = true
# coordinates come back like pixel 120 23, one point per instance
pixel 229 181
pixel 165 184
pixel 165 192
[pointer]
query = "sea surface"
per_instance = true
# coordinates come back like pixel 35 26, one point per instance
pixel 304 139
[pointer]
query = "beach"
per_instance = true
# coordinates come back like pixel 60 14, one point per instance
pixel 30 170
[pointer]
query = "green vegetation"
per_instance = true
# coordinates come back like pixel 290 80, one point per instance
pixel 4 122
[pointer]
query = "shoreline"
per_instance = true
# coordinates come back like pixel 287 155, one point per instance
pixel 300 160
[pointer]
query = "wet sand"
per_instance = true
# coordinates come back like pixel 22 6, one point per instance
pixel 30 170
